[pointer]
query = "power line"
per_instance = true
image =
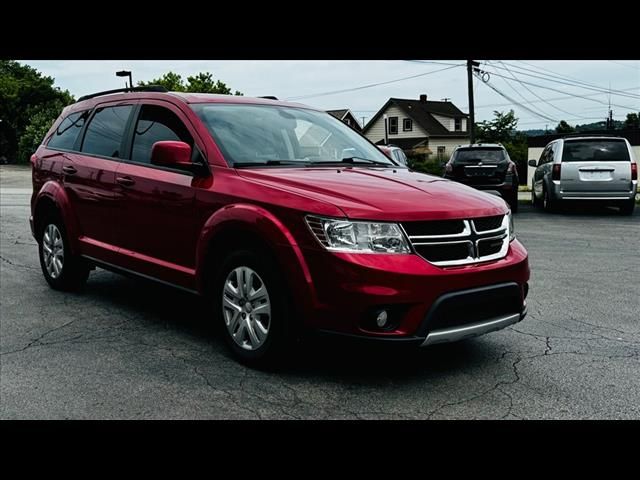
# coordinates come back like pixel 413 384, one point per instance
pixel 624 65
pixel 568 97
pixel 573 83
pixel 371 85
pixel 520 93
pixel 535 94
pixel 565 77
pixel 502 94
pixel 566 93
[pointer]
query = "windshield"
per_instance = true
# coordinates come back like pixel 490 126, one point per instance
pixel 260 135
pixel 595 150
pixel 485 155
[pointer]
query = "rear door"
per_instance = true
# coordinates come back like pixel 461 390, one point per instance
pixel 89 178
pixel 598 165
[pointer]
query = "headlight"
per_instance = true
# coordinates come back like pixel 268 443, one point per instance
pixel 363 237
pixel 512 230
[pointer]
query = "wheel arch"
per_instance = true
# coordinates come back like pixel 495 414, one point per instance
pixel 256 227
pixel 53 198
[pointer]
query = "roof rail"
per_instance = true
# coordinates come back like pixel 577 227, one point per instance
pixel 269 97
pixel 587 134
pixel 147 88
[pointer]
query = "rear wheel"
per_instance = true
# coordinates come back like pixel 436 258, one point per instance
pixel 61 269
pixel 628 207
pixel 249 298
pixel 548 204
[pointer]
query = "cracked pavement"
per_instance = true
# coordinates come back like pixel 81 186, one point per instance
pixel 129 349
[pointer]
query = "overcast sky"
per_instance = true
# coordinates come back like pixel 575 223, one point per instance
pixel 291 79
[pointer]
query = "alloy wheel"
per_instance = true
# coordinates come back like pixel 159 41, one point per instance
pixel 246 308
pixel 53 250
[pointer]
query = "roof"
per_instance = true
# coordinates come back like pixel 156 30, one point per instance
pixel 181 96
pixel 339 114
pixel 631 134
pixel 422 113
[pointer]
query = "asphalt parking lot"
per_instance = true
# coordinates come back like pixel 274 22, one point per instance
pixel 129 349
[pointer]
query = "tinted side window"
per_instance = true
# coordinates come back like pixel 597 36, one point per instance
pixel 104 133
pixel 156 124
pixel 67 132
pixel 543 157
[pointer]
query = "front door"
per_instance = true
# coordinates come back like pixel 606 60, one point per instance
pixel 157 224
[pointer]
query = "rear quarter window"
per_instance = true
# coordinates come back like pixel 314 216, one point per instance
pixel 595 151
pixel 66 134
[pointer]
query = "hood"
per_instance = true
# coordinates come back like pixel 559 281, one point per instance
pixel 382 193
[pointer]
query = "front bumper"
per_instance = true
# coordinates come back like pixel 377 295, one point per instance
pixel 348 288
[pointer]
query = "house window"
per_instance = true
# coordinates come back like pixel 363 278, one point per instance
pixel 441 152
pixel 393 125
pixel 347 121
pixel 407 125
pixel 458 124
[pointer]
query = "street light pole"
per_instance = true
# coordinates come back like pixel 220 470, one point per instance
pixel 126 73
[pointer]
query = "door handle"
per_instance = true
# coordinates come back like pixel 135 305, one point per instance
pixel 125 181
pixel 69 170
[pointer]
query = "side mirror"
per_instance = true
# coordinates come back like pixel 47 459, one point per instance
pixel 169 153
pixel 533 163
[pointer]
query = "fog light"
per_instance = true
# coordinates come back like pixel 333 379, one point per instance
pixel 381 319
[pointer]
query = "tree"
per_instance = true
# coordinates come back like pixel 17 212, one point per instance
pixel 203 82
pixel 500 129
pixel 633 120
pixel 27 100
pixel 564 127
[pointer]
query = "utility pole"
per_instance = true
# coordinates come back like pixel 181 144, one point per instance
pixel 472 131
pixel 363 121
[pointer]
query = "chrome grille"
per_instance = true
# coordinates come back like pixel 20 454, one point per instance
pixel 487 223
pixel 460 242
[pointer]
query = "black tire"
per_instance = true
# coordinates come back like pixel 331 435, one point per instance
pixel 74 271
pixel 534 201
pixel 277 345
pixel 513 202
pixel 628 207
pixel 548 204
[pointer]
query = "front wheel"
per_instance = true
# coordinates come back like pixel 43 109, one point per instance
pixel 248 296
pixel 61 269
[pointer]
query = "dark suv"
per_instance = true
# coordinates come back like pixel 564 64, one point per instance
pixel 281 216
pixel 485 167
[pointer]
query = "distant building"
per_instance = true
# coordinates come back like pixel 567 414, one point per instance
pixel 347 117
pixel 536 144
pixel 420 126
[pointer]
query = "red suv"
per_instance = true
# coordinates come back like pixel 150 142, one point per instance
pixel 282 216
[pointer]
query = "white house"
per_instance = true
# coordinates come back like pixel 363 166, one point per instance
pixel 421 125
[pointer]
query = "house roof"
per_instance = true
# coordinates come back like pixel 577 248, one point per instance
pixel 421 113
pixel 339 114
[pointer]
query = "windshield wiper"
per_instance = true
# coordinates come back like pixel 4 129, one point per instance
pixel 353 160
pixel 269 163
